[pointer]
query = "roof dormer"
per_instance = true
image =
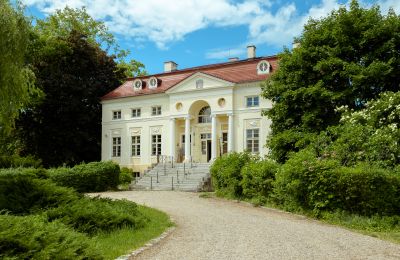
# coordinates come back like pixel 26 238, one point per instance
pixel 137 84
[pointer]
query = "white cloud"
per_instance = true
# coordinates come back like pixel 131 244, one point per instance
pixel 160 21
pixel 165 22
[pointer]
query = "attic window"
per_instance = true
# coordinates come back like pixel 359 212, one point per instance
pixel 263 67
pixel 137 84
pixel 153 82
pixel 199 83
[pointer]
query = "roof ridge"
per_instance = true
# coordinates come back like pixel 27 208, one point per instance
pixel 214 65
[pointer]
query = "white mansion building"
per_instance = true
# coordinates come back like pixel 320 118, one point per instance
pixel 194 114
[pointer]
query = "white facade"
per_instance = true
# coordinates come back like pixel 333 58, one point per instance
pixel 235 122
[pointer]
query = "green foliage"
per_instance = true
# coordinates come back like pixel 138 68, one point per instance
pixel 31 237
pixel 16 79
pixel 93 215
pixel 61 23
pixel 132 69
pixel 305 182
pixel 346 58
pixel 66 126
pixel 125 176
pixel 91 177
pixel 225 174
pixel 258 178
pixel 21 192
pixel 14 161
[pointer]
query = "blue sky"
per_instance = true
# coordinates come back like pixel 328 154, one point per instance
pixel 198 32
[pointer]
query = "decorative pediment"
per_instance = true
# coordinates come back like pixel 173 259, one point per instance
pixel 199 81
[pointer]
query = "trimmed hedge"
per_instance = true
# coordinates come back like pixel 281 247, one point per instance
pixel 21 192
pixel 92 215
pixel 91 177
pixel 125 176
pixel 32 237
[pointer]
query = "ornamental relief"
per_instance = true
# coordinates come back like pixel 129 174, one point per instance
pixel 136 131
pixel 252 123
pixel 156 130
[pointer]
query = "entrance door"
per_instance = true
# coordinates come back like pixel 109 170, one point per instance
pixel 208 150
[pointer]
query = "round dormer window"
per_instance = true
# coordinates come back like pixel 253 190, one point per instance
pixel 153 82
pixel 137 84
pixel 263 67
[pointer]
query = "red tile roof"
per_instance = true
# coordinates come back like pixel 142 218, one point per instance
pixel 235 71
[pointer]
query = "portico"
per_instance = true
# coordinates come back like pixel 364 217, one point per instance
pixel 200 135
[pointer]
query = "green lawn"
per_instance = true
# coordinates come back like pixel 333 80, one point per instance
pixel 124 241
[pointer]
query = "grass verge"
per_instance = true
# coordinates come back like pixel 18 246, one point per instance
pixel 385 228
pixel 125 240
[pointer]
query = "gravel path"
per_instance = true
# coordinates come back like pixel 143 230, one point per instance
pixel 219 229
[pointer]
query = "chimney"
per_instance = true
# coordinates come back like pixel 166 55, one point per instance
pixel 251 52
pixel 234 59
pixel 170 66
pixel 295 45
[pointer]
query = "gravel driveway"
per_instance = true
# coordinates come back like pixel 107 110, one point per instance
pixel 219 229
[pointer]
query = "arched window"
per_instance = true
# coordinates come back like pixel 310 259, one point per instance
pixel 205 115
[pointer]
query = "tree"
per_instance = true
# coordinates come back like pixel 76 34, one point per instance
pixel 62 22
pixel 347 58
pixel 16 79
pixel 66 126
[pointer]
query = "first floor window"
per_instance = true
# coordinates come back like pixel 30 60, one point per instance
pixel 116 115
pixel 136 145
pixel 156 111
pixel 252 140
pixel 156 145
pixel 252 101
pixel 136 112
pixel 116 146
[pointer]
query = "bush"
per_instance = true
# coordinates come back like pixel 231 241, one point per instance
pixel 21 192
pixel 91 177
pixel 14 161
pixel 125 176
pixel 32 237
pixel 225 174
pixel 92 215
pixel 258 177
pixel 306 182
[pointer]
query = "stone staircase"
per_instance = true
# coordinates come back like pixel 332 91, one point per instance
pixel 177 176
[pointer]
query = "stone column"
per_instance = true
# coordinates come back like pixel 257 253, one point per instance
pixel 172 138
pixel 187 139
pixel 213 137
pixel 230 133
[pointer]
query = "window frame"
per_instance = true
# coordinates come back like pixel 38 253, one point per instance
pixel 204 118
pixel 137 114
pixel 253 139
pixel 252 98
pixel 116 114
pixel 135 145
pixel 116 147
pixel 156 144
pixel 157 111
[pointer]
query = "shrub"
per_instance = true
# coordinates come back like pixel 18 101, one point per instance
pixel 302 183
pixel 13 161
pixel 306 182
pixel 32 237
pixel 92 215
pixel 91 177
pixel 31 172
pixel 368 190
pixel 23 193
pixel 225 174
pixel 258 177
pixel 125 176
